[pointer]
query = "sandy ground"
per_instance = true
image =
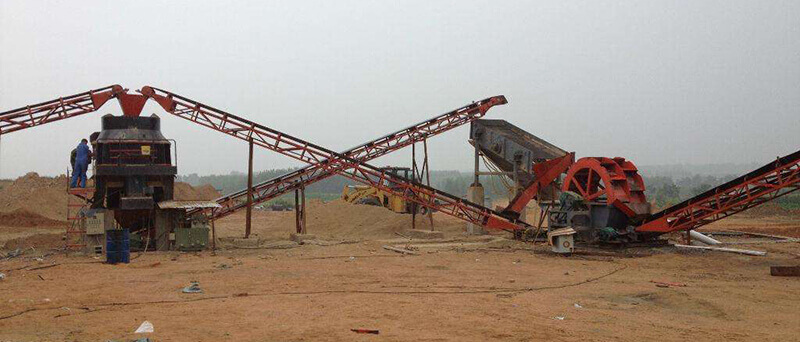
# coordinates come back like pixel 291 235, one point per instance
pixel 467 290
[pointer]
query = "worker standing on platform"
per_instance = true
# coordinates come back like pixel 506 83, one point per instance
pixel 80 164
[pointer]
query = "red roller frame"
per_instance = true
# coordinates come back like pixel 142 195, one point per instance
pixel 764 184
pixel 328 161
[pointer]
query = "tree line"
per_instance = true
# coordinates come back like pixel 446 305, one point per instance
pixel 662 190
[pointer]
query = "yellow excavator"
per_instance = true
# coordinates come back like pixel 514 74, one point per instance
pixel 364 194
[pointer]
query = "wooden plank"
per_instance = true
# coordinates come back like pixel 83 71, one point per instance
pixel 399 250
pixel 785 271
pixel 724 249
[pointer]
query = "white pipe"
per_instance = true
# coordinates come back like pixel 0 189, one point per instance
pixel 702 238
pixel 723 249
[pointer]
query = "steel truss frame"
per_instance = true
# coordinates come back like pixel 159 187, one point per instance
pixel 327 162
pixel 315 172
pixel 58 109
pixel 764 184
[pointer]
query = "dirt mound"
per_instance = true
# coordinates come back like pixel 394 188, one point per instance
pixel 342 220
pixel 346 219
pixel 45 196
pixel 38 241
pixel 24 218
pixel 186 192
pixel 770 209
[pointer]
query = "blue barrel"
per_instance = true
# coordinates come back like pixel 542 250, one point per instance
pixel 111 248
pixel 125 247
pixel 118 246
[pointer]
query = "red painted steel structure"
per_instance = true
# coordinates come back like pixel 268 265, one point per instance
pixel 70 106
pixel 546 173
pixel 328 161
pixel 757 187
pixel 612 179
pixel 764 184
pixel 373 149
pixel 58 109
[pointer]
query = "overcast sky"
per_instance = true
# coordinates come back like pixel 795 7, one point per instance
pixel 657 82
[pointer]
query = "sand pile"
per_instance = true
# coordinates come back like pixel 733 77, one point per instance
pixel 345 220
pixel 45 196
pixel 185 192
pixel 24 218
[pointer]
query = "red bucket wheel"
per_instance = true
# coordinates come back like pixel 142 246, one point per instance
pixel 600 179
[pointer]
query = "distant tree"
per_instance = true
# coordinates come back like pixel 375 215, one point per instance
pixel 699 189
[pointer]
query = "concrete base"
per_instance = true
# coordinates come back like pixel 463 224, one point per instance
pixel 245 243
pixel 299 238
pixel 423 234
pixel 475 195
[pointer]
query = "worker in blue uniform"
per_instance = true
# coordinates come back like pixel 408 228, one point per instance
pixel 83 157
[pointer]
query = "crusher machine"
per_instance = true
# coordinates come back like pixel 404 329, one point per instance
pixel 131 205
pixel 134 175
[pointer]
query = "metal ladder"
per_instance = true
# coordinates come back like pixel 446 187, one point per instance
pixel 75 233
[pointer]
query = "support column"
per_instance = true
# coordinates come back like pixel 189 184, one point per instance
pixel 523 213
pixel 300 210
pixel 427 170
pixel 417 173
pixel 249 214
pixel 213 236
pixel 414 206
pixel 475 195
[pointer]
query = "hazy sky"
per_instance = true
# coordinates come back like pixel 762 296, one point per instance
pixel 658 82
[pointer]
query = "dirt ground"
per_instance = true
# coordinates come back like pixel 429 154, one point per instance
pixel 462 288
pixel 465 289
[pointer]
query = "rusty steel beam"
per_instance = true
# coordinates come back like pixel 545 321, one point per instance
pixel 764 184
pixel 58 109
pixel 280 185
pixel 69 107
pixel 416 133
pixel 329 162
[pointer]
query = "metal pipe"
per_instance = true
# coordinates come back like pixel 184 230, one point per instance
pixel 702 238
